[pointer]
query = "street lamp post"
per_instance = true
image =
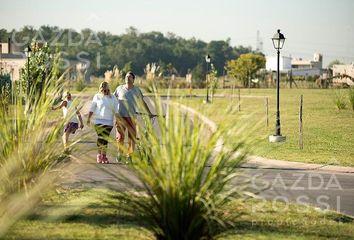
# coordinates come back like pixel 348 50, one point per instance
pixel 28 52
pixel 207 60
pixel 278 42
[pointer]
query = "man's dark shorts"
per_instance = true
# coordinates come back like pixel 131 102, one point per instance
pixel 71 127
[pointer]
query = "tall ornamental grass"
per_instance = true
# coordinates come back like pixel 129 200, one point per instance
pixel 184 174
pixel 339 100
pixel 351 97
pixel 31 151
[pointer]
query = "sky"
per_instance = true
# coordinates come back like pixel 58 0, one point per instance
pixel 323 26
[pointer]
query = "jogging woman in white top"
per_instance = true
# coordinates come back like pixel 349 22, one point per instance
pixel 73 124
pixel 104 106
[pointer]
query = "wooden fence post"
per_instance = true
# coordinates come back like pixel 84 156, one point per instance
pixel 267 111
pixel 239 100
pixel 233 90
pixel 301 143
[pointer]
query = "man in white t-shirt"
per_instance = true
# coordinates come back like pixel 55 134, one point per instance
pixel 129 98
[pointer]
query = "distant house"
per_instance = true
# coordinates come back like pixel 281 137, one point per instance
pixel 306 68
pixel 11 60
pixel 345 74
pixel 299 67
pixel 316 62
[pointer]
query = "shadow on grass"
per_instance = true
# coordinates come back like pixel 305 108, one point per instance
pixel 93 215
pixel 106 211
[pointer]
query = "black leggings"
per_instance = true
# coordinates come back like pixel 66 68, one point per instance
pixel 103 132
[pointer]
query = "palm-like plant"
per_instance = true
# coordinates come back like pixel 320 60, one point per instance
pixel 185 177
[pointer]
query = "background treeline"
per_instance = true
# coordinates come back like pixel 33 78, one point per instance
pixel 131 50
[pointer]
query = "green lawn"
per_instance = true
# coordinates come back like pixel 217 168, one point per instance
pixel 94 214
pixel 328 134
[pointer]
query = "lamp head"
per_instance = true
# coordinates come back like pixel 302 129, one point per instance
pixel 278 40
pixel 28 51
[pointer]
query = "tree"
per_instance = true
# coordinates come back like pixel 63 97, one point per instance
pixel 198 76
pixel 103 50
pixel 220 51
pixel 41 64
pixel 245 67
pixel 3 35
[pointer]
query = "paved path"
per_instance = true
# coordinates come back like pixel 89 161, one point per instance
pixel 325 187
pixel 325 190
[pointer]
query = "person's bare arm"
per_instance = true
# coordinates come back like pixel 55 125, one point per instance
pixel 62 104
pixel 89 117
pixel 92 109
pixel 80 119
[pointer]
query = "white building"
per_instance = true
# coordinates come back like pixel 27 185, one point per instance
pixel 306 68
pixel 284 63
pixel 298 66
pixel 11 64
pixel 300 63
pixel 11 60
